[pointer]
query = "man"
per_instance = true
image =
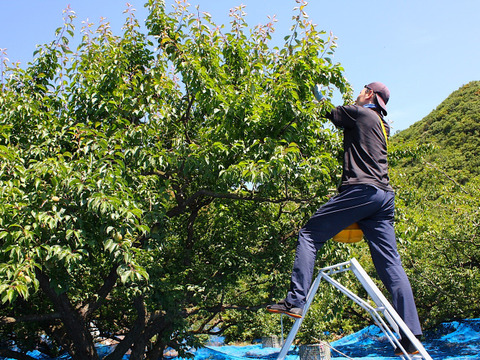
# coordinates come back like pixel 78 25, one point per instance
pixel 365 197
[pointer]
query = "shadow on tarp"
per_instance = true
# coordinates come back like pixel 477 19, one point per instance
pixel 459 340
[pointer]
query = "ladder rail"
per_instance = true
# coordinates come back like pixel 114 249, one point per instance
pixel 359 301
pixel 374 312
pixel 296 326
pixel 393 316
pixel 383 307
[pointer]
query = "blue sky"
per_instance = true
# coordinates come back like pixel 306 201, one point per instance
pixel 421 49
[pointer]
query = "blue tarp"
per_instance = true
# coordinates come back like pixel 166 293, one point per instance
pixel 459 340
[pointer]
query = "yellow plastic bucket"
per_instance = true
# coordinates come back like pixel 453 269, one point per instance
pixel 351 234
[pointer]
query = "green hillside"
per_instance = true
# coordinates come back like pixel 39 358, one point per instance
pixel 435 172
pixel 453 128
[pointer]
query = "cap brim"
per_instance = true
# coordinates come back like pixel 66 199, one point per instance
pixel 382 105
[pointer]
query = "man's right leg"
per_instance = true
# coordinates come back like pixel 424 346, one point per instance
pixel 351 205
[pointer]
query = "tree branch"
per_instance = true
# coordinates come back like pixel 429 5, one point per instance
pixel 180 208
pixel 207 320
pixel 158 324
pixel 448 177
pixel 185 117
pixel 102 293
pixel 29 318
pixel 134 333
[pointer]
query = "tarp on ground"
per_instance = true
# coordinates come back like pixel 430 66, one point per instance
pixel 457 340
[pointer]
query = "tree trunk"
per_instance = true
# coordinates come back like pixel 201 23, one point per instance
pixel 156 352
pixel 75 326
pixel 138 350
pixel 133 335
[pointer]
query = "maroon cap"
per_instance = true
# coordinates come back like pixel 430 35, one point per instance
pixel 383 94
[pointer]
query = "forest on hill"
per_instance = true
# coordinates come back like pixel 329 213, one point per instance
pixel 435 172
pixel 453 129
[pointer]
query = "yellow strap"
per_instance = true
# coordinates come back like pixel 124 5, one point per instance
pixel 383 128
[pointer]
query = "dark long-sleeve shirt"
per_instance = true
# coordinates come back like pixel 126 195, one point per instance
pixel 364 144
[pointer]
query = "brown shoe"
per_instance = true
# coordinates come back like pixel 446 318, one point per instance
pixel 283 307
pixel 408 346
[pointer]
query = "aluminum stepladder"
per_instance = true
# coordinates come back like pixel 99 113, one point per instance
pixel 383 311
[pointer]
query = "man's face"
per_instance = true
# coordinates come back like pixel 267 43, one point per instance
pixel 364 97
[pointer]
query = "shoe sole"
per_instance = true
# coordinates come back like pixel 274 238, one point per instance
pixel 296 316
pixel 416 352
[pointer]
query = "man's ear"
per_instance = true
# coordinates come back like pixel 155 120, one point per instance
pixel 369 94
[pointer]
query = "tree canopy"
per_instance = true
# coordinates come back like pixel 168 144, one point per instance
pixel 151 184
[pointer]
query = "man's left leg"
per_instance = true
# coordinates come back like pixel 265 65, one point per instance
pixel 380 234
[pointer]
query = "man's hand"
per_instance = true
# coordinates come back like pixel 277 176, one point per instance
pixel 317 92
